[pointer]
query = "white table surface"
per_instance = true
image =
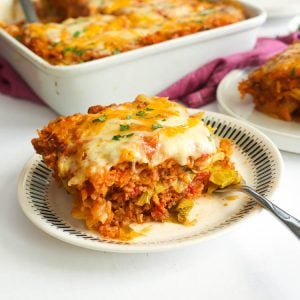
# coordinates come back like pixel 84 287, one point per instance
pixel 258 260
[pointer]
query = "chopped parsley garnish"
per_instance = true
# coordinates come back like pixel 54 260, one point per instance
pixel 293 72
pixel 76 34
pixel 164 120
pixel 156 126
pixel 55 44
pixel 128 117
pixel 140 113
pixel 209 138
pixel 124 127
pixel 69 49
pixel 119 136
pixel 117 51
pixel 100 119
pixel 79 52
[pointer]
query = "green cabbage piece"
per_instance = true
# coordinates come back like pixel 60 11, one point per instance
pixel 180 185
pixel 183 209
pixel 224 177
pixel 145 198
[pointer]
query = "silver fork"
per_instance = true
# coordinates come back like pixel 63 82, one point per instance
pixel 291 222
pixel 29 11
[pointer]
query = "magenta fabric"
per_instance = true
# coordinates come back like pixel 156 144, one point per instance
pixel 199 87
pixel 12 84
pixel 195 89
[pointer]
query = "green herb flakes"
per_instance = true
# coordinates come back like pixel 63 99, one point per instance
pixel 140 113
pixel 119 136
pixel 116 51
pixel 293 72
pixel 100 119
pixel 69 49
pixel 149 109
pixel 76 34
pixel 156 126
pixel 124 127
pixel 78 52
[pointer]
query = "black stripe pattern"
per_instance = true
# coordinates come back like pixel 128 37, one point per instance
pixel 263 165
pixel 37 188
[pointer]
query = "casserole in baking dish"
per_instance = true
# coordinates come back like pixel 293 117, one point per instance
pixel 135 25
pixel 120 77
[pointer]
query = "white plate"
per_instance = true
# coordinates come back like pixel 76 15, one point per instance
pixel 256 157
pixel 278 9
pixel 286 135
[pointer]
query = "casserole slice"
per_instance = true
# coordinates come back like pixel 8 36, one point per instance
pixel 275 86
pixel 141 161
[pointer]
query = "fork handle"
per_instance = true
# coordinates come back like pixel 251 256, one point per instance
pixel 291 222
pixel 29 11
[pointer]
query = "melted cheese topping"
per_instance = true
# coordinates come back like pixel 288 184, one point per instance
pixel 148 130
pixel 125 25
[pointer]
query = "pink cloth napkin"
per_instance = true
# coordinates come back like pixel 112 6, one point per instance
pixel 12 84
pixel 195 89
pixel 199 87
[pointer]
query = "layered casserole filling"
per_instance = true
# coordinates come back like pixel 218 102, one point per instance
pixel 120 26
pixel 275 86
pixel 141 161
pixel 171 9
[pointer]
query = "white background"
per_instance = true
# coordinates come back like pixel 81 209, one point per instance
pixel 258 260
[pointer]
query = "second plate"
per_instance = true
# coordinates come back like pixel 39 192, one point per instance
pixel 286 135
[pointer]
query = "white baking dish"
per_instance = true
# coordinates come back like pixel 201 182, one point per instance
pixel 294 24
pixel 149 70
